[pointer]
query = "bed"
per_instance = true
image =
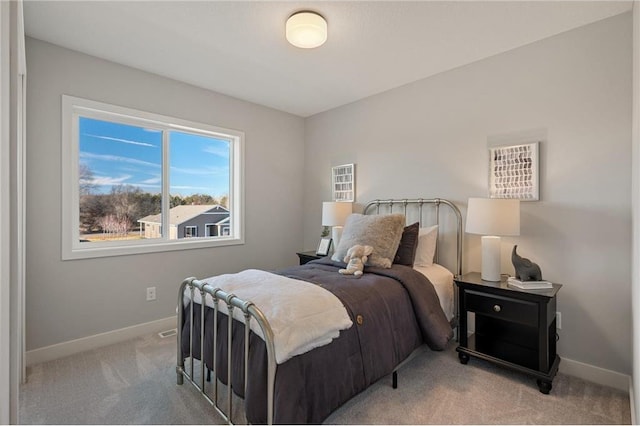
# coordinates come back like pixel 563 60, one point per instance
pixel 392 313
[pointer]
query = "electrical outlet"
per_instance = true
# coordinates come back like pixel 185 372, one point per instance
pixel 558 320
pixel 151 294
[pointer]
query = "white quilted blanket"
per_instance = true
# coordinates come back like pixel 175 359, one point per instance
pixel 302 315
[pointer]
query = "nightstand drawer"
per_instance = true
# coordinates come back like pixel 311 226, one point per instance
pixel 504 308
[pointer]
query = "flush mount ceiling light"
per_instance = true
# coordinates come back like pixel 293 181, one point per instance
pixel 306 30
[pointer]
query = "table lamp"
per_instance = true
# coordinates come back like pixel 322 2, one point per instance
pixel 334 214
pixel 492 218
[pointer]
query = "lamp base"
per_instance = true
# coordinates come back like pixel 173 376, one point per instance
pixel 490 258
pixel 336 234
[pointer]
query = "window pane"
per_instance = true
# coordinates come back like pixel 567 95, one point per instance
pixel 199 177
pixel 120 181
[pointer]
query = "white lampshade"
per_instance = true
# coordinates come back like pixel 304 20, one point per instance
pixel 335 213
pixel 306 30
pixel 492 218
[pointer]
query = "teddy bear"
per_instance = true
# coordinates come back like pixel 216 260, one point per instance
pixel 355 259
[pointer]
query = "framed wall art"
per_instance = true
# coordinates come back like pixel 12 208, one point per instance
pixel 343 182
pixel 513 172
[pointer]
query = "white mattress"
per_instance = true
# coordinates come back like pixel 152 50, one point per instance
pixel 442 280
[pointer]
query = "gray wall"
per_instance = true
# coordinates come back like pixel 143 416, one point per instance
pixel 73 299
pixel 430 138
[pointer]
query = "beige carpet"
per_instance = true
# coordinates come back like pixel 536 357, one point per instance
pixel 135 383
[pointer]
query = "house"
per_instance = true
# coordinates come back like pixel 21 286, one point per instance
pixel 188 222
pixel 574 88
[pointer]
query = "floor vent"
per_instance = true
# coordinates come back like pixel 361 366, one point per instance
pixel 168 333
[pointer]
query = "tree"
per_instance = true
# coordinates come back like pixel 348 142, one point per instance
pixel 86 182
pixel 124 204
pixel 90 206
pixel 147 204
pixel 92 209
pixel 113 226
pixel 200 200
pixel 176 200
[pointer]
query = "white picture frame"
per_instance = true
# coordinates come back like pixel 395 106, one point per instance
pixel 343 182
pixel 513 171
pixel 324 246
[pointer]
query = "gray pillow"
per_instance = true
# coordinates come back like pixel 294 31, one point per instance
pixel 382 232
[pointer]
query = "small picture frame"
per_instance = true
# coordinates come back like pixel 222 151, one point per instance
pixel 324 246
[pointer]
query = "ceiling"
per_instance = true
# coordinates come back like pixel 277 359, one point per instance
pixel 238 47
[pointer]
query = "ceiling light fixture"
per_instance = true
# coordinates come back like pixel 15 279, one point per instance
pixel 306 30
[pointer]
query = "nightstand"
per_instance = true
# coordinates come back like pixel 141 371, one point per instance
pixel 514 328
pixel 307 256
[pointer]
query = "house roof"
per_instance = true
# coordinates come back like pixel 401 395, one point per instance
pixel 181 214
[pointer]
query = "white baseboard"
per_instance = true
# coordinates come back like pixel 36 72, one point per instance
pixel 71 347
pixel 595 374
pixel 567 366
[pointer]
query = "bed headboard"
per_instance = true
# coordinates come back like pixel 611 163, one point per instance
pixel 427 212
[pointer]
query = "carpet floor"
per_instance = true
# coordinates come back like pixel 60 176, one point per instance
pixel 134 382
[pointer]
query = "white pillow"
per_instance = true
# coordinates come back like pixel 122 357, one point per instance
pixel 427 239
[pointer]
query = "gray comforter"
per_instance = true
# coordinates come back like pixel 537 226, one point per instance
pixel 393 312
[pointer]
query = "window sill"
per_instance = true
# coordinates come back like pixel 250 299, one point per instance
pixel 150 247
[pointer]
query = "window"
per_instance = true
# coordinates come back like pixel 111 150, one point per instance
pixel 130 175
pixel 190 231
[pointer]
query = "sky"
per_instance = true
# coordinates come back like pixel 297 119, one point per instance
pixel 120 154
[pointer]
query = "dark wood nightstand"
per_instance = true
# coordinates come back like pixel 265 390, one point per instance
pixel 514 328
pixel 307 256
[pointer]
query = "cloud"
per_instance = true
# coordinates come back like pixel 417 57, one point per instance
pixel 218 150
pixel 107 157
pixel 110 181
pixel 153 181
pixel 105 180
pixel 128 141
pixel 145 185
pixel 209 171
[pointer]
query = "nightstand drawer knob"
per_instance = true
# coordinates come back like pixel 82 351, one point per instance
pixel 497 308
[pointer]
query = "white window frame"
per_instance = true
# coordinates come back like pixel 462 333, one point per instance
pixel 72 248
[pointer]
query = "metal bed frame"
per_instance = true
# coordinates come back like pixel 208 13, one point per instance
pixel 250 311
pixel 419 202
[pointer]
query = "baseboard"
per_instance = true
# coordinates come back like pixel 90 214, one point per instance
pixel 567 366
pixel 632 404
pixel 595 374
pixel 71 347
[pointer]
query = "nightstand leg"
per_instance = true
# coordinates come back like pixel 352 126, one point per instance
pixel 544 386
pixel 464 358
pixel 394 380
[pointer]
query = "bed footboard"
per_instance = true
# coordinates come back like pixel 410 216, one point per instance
pixel 250 311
